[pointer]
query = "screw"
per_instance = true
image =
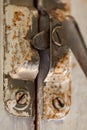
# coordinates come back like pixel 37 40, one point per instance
pixel 57 36
pixel 21 97
pixel 58 103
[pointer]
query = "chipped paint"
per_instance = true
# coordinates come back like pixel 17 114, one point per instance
pixel 20 57
pixel 19 105
pixel 57 85
pixel 21 61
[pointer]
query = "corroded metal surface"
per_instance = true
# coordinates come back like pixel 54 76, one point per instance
pixel 54 96
pixel 57 90
pixel 57 85
pixel 19 97
pixel 78 112
pixel 77 44
pixel 21 61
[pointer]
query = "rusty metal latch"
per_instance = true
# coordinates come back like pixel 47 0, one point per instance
pixel 63 33
pixel 68 33
pixel 37 62
pixel 21 60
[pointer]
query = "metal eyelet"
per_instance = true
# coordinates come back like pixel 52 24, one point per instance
pixel 55 34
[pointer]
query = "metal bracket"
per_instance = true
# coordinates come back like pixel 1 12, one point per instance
pixel 68 33
pixel 21 60
pixel 36 39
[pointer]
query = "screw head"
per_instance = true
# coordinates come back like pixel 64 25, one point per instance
pixel 22 99
pixel 57 36
pixel 58 103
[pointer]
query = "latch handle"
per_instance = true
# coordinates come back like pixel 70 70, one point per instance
pixel 70 35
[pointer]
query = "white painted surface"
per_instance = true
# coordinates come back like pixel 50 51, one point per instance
pixel 77 118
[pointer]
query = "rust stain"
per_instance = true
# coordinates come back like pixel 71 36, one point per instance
pixel 19 48
pixel 17 17
pixel 58 14
pixel 8 27
pixel 18 57
pixel 58 84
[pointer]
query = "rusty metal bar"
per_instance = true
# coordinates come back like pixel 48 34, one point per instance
pixel 44 61
pixel 44 26
pixel 44 68
pixel 70 35
pixel 75 41
pixel 50 54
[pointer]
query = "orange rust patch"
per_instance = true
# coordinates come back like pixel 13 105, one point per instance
pixel 57 85
pixel 17 17
pixel 8 27
pixel 58 14
pixel 67 7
